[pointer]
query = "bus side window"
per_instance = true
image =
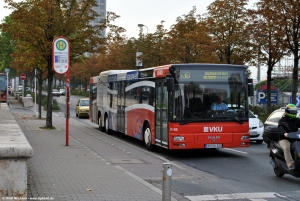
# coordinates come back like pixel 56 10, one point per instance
pixel 132 96
pixel 2 85
pixel 109 96
pixel 151 92
pixel 145 94
pixel 140 95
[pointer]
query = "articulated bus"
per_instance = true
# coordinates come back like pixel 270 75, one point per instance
pixel 170 106
pixel 3 87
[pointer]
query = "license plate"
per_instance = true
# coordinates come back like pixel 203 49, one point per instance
pixel 253 133
pixel 213 145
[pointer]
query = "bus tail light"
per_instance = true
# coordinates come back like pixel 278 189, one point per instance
pixel 178 138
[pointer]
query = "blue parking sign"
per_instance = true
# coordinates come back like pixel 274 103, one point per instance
pixel 262 96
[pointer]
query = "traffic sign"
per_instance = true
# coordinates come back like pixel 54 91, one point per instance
pixel 23 76
pixel 297 101
pixel 61 65
pixel 262 97
pixel 60 55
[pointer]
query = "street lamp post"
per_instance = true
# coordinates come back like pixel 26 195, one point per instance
pixel 7 71
pixel 142 25
pixel 139 62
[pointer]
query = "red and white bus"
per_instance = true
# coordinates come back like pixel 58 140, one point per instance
pixel 170 106
pixel 3 87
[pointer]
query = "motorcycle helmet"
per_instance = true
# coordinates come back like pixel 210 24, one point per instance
pixel 291 111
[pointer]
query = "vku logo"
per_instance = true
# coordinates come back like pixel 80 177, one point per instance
pixel 214 129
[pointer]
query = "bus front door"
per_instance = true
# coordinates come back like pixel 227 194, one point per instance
pixel 121 107
pixel 161 118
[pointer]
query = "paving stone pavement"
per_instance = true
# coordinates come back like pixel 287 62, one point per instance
pixel 59 172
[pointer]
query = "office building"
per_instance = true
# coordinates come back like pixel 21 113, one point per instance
pixel 101 10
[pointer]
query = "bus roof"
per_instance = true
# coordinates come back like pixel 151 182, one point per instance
pixel 113 74
pixel 154 72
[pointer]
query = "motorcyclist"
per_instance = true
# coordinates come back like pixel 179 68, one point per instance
pixel 290 117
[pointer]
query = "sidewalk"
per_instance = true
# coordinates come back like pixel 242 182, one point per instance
pixel 59 172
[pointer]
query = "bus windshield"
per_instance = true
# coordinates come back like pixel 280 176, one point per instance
pixel 210 95
pixel 3 87
pixel 3 83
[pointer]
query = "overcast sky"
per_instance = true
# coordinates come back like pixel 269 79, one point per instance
pixel 150 13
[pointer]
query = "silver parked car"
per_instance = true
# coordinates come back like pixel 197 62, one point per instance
pixel 274 117
pixel 55 92
pixel 62 92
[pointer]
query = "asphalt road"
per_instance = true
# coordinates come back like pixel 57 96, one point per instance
pixel 224 174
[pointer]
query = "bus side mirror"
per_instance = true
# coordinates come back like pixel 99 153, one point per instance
pixel 250 87
pixel 170 84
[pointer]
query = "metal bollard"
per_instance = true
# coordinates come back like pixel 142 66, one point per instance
pixel 166 182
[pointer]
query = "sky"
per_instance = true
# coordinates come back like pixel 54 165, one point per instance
pixel 150 14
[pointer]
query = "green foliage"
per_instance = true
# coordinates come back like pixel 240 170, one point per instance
pixel 80 92
pixel 258 85
pixel 261 112
pixel 7 47
pixel 282 84
pixel 54 104
pixel 257 110
pixel 44 101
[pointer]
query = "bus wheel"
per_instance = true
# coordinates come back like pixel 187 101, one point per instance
pixel 100 124
pixel 107 130
pixel 147 137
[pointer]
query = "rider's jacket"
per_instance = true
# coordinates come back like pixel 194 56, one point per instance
pixel 293 123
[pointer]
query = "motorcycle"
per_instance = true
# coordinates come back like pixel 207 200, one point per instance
pixel 277 155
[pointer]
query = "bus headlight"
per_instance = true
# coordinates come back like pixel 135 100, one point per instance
pixel 245 137
pixel 178 138
pixel 179 145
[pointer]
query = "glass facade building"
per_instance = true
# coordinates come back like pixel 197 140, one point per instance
pixel 101 10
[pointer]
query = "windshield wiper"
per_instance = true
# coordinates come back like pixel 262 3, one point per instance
pixel 237 119
pixel 186 122
pixel 227 116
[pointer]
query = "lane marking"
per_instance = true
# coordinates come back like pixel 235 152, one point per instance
pixel 235 196
pixel 242 152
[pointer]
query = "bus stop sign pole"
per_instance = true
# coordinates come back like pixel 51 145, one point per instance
pixel 61 65
pixel 67 106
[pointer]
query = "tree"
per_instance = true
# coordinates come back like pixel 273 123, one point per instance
pixel 120 54
pixel 188 40
pixel 7 47
pixel 227 25
pixel 86 69
pixel 154 47
pixel 157 53
pixel 286 24
pixel 37 23
pixel 269 48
